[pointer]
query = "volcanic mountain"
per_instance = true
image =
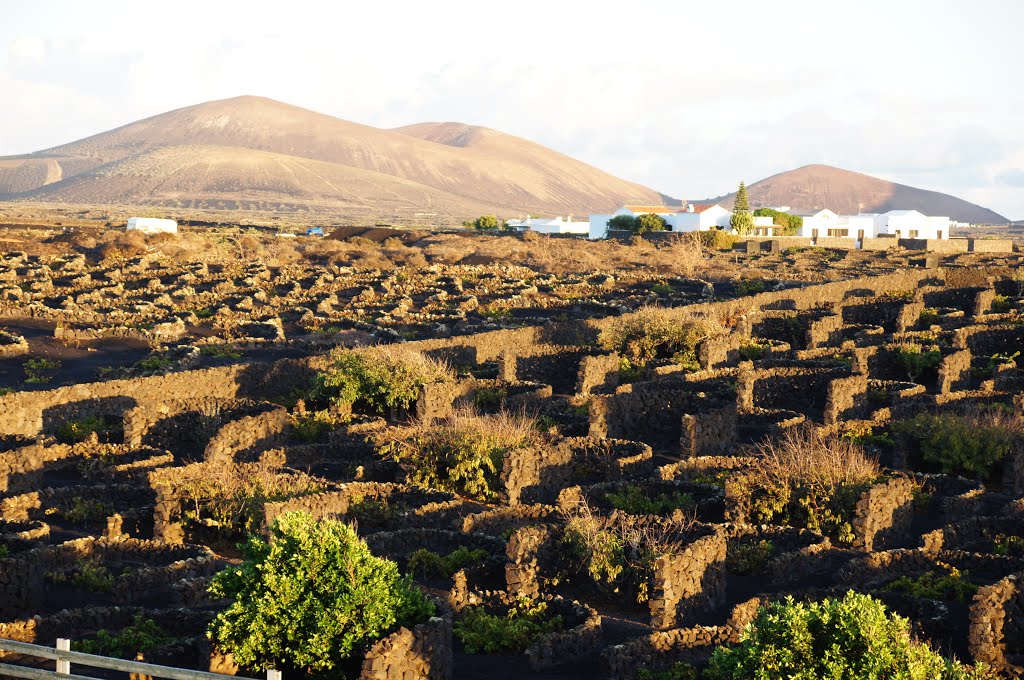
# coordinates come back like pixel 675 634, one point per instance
pixel 813 187
pixel 257 153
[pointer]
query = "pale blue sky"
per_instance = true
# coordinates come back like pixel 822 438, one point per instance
pixel 685 97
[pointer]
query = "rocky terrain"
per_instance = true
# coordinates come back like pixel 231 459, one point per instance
pixel 159 401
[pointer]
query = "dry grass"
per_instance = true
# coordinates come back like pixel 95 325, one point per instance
pixel 804 456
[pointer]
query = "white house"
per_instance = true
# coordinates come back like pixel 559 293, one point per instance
pixel 895 223
pixel 554 225
pixel 911 224
pixel 152 225
pixel 827 223
pixel 701 218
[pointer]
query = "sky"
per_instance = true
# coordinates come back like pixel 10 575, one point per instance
pixel 685 97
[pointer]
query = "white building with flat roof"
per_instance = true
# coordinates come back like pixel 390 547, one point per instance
pixel 152 225
pixel 552 225
pixel 895 223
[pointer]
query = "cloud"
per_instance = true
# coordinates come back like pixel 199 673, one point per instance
pixel 1013 178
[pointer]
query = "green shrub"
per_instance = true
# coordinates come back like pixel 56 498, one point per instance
pixel 655 333
pixel 86 510
pixel 1004 544
pixel 950 585
pixel 749 286
pixel 489 397
pixel 463 454
pixel 807 479
pixel 752 351
pixel 155 363
pixel 444 566
pixel 680 671
pixel 4 551
pixel 311 598
pixel 635 500
pixel 218 352
pixel 309 427
pixel 1001 304
pixel 40 370
pixel 88 575
pixel 141 635
pixel 80 429
pixel 748 557
pixel 929 316
pixel 851 638
pixel 972 444
pixel 379 379
pixel 716 239
pixel 917 359
pixel 518 629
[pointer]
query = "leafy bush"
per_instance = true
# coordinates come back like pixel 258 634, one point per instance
pixel 752 351
pixel 489 397
pixel 311 598
pixel 218 352
pixel 680 671
pixel 86 510
pixel 463 454
pixel 649 222
pixel 1001 304
pixel 854 638
pixel 748 557
pixel 749 286
pixel 951 584
pixel 917 359
pixel 380 379
pixel 155 363
pixel 141 635
pixel 309 427
pixel 634 499
pixel 972 443
pixel 80 429
pixel 486 222
pixel 657 333
pixel 444 566
pixel 88 575
pixel 616 553
pixel 716 239
pixel 808 479
pixel 1004 544
pixel 518 629
pixel 928 316
pixel 40 370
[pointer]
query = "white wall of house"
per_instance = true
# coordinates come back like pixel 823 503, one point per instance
pixel 152 225
pixel 554 225
pixel 709 218
pixel 827 223
pixel 911 224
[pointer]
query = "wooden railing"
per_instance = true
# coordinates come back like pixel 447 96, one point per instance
pixel 64 657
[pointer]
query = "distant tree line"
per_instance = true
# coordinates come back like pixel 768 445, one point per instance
pixel 639 224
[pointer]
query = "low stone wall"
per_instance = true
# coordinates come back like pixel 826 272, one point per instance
pixel 537 475
pixel 883 512
pixel 12 345
pixel 835 242
pixel 955 372
pixel 424 651
pixel 251 433
pixel 846 399
pixel 989 245
pixel 691 579
pixel 997 626
pixel 598 371
pixel 943 245
pixel 709 432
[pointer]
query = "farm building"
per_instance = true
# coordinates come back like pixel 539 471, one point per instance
pixel 152 225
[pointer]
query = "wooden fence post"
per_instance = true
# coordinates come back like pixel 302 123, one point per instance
pixel 63 665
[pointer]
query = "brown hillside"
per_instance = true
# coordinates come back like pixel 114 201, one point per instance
pixel 185 151
pixel 814 187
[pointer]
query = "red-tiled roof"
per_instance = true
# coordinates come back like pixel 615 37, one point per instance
pixel 701 207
